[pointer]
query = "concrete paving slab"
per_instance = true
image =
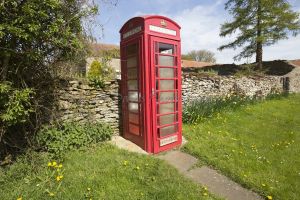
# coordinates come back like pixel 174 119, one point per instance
pixel 122 143
pixel 221 185
pixel 181 161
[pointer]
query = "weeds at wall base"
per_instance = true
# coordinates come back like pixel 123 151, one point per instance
pixel 202 109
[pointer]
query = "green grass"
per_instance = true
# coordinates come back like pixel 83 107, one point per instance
pixel 110 173
pixel 257 145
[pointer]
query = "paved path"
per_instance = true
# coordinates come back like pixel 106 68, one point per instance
pixel 126 144
pixel 216 183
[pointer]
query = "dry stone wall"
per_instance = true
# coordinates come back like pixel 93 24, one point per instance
pixel 77 101
pixel 195 87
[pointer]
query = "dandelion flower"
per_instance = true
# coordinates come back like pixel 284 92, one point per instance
pixel 269 197
pixel 58 178
pixel 54 163
pixel 205 194
pixel 49 164
pixel 60 166
pixel 20 198
pixel 89 189
pixel 138 168
pixel 125 163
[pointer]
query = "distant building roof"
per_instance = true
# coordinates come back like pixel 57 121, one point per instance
pixel 195 64
pixel 295 62
pixel 96 48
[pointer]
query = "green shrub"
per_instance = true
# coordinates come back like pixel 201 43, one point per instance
pixel 99 72
pixel 15 106
pixel 59 139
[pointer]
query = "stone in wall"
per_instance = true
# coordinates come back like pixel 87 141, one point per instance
pixel 77 101
pixel 199 87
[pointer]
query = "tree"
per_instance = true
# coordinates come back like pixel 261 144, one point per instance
pixel 258 23
pixel 34 36
pixel 200 56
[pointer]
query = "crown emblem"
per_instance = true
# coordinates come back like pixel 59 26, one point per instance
pixel 163 23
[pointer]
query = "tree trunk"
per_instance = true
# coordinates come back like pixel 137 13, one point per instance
pixel 259 49
pixel 259 53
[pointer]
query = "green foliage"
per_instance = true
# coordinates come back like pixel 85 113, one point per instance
pixel 256 145
pixel 57 140
pixel 200 56
pixel 101 71
pixel 37 33
pixel 15 106
pixel 258 23
pixel 100 172
pixel 34 36
pixel 199 110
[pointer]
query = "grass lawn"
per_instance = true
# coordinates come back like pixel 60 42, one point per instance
pixel 257 145
pixel 101 172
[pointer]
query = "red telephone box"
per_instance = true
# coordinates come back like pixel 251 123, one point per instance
pixel 151 82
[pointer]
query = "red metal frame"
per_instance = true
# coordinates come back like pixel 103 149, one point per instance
pixel 148 31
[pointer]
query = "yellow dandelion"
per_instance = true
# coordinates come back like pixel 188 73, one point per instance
pixel 60 166
pixel 54 163
pixel 58 178
pixel 270 197
pixel 89 189
pixel 205 188
pixel 138 168
pixel 20 198
pixel 205 194
pixel 49 164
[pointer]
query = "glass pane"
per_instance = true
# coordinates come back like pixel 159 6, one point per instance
pixel 166 108
pixel 166 85
pixel 167 130
pixel 133 107
pixel 134 118
pixel 166 72
pixel 166 61
pixel 132 62
pixel 133 96
pixel 166 48
pixel 166 96
pixel 167 119
pixel 132 85
pixel 133 129
pixel 131 49
pixel 132 73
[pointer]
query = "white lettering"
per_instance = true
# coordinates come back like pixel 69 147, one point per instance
pixel 168 140
pixel 162 30
pixel 132 32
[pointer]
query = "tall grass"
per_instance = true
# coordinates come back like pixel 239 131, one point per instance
pixel 201 109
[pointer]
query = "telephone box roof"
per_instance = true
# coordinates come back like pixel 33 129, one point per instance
pixel 147 17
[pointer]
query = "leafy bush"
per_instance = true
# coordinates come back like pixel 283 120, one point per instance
pixel 99 72
pixel 95 75
pixel 59 139
pixel 15 106
pixel 198 110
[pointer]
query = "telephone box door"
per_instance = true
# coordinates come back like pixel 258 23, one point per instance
pixel 166 94
pixel 131 88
